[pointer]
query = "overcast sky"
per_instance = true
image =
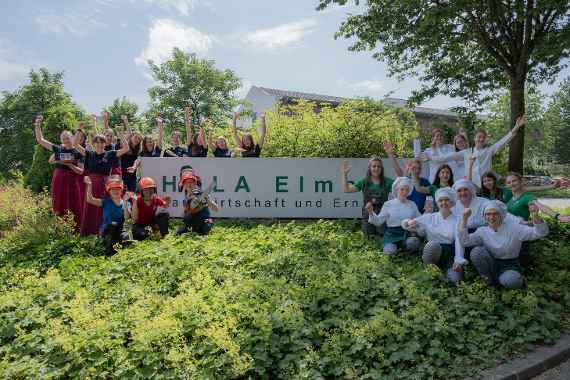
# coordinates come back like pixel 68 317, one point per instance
pixel 103 46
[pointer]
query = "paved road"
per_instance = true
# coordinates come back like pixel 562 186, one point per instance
pixel 562 372
pixel 556 202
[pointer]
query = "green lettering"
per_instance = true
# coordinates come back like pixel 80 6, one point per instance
pixel 324 186
pixel 166 183
pixel 216 190
pixel 281 184
pixel 242 184
pixel 301 183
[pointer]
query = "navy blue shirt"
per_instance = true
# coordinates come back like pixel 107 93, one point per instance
pixel 196 150
pixel 155 152
pixel 222 152
pixel 420 198
pixel 253 152
pixel 178 151
pixel 62 154
pixel 101 163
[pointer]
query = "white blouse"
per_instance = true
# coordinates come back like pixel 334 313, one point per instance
pixel 393 212
pixel 505 243
pixel 477 206
pixel 443 150
pixel 484 156
pixel 440 230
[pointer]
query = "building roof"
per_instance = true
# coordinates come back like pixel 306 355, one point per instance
pixel 394 102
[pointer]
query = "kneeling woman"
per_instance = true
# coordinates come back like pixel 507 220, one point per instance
pixel 114 212
pixel 393 213
pixel 197 205
pixel 497 245
pixel 442 248
pixel 149 210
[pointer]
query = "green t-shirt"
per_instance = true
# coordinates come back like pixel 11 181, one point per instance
pixel 519 206
pixel 506 195
pixel 374 186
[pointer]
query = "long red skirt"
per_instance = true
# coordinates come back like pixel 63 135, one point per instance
pixel 65 193
pixel 93 215
pixel 81 198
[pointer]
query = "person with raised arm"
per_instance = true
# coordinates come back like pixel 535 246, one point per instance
pixel 114 211
pixel 129 159
pixel 99 165
pixel 177 149
pixel 393 213
pixel 245 143
pixel 438 147
pixel 197 143
pixel 197 205
pixel 483 154
pixel 220 147
pixel 413 170
pixel 149 211
pixel 67 161
pixel 442 248
pixel 375 188
pixel 497 245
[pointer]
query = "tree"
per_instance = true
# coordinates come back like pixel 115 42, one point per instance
pixel 357 128
pixel 467 49
pixel 557 118
pixel 188 81
pixel 122 106
pixel 44 94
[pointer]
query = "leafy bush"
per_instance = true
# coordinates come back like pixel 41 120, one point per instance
pixel 357 128
pixel 290 300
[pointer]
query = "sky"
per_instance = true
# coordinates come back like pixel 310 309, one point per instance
pixel 103 47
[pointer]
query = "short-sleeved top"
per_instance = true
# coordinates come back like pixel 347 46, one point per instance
pixel 178 151
pixel 519 206
pixel 146 212
pixel 505 195
pixel 222 152
pixel 62 154
pixel 127 160
pixel 419 198
pixel 112 147
pixel 374 186
pixel 155 152
pixel 112 213
pixel 196 150
pixel 101 163
pixel 253 152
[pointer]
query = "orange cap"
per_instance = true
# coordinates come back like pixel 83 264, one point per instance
pixel 114 185
pixel 147 183
pixel 188 177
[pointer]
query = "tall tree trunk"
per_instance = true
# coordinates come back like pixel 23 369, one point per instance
pixel 516 152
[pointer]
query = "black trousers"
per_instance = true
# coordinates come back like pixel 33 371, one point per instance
pixel 161 220
pixel 113 234
pixel 197 224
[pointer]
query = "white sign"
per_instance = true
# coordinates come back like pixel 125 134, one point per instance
pixel 266 187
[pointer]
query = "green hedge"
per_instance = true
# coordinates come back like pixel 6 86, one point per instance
pixel 301 301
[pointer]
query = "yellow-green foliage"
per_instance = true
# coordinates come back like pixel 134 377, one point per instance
pixel 291 301
pixel 353 129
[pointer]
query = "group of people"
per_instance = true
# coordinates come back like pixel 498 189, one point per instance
pixel 96 181
pixel 461 212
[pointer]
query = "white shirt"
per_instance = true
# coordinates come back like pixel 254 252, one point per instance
pixel 477 206
pixel 505 243
pixel 393 212
pixel 443 150
pixel 440 230
pixel 484 156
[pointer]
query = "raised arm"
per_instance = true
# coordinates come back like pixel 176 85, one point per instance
pixel 209 139
pixel 263 131
pixel 160 125
pixel 94 124
pixel 538 230
pixel 389 148
pixel 124 146
pixel 125 120
pixel 380 218
pixel 346 186
pixel 89 194
pixel 187 125
pixel 39 134
pixel 212 205
pixel 466 239
pixel 496 147
pixel 235 133
pixel 77 146
pixel 203 139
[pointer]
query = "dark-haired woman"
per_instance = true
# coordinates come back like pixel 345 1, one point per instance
pixel 128 160
pixel 98 164
pixel 64 188
pixel 375 188
pixel 197 144
pixel 151 147
pixel 219 148
pixel 246 144
pixel 443 179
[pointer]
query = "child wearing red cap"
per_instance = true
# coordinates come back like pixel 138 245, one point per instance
pixel 149 210
pixel 197 205
pixel 114 212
